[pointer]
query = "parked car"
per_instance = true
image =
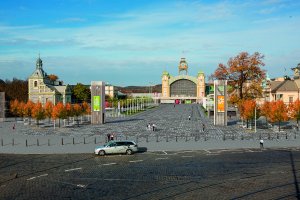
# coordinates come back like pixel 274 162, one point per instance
pixel 117 147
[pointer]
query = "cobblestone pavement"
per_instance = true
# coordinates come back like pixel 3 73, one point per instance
pixel 174 132
pixel 218 174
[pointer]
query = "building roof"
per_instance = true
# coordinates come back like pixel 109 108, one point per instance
pixel 283 86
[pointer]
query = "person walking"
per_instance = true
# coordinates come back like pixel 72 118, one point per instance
pixel 112 136
pixel 189 117
pixel 108 137
pixel 261 143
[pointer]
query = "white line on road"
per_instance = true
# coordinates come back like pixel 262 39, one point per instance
pixel 68 170
pixel 80 185
pixel 164 152
pixel 42 175
pixel 187 156
pixel 207 151
pixel 106 164
pixel 134 161
pixel 161 158
pixel 31 178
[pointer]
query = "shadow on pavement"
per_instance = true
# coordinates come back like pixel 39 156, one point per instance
pixel 142 149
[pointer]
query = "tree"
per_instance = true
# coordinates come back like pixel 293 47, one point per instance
pixel 294 109
pixel 59 112
pixel 247 108
pixel 81 92
pixel 48 109
pixel 244 74
pixel 28 110
pixel 38 112
pixel 77 111
pixel 265 110
pixel 14 108
pixel 279 112
pixel 69 111
pixel 21 109
pixel 52 77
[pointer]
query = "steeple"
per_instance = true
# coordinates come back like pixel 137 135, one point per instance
pixel 183 66
pixel 39 63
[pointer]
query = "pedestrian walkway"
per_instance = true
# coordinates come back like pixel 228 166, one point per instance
pixel 174 132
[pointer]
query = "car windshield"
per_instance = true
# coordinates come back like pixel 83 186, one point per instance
pixel 111 143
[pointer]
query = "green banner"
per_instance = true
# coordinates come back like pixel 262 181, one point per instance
pixel 188 101
pixel 97 103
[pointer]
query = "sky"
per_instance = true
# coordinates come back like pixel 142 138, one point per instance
pixel 131 42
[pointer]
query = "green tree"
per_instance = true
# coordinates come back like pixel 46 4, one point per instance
pixel 81 92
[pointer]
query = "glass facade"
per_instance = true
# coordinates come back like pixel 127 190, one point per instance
pixel 183 88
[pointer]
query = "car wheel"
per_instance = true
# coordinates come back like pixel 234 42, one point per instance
pixel 128 151
pixel 101 153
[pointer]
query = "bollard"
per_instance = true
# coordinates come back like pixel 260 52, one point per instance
pixel 95 141
pixel 269 136
pixel 277 136
pixel 147 139
pixel 195 138
pixel 224 137
pixel 37 142
pixel 13 142
pixel 232 137
pixel 48 142
pixel 156 138
pixel 205 138
pixel 83 140
pixel 26 143
pixel 73 140
pixel 1 141
pixel 176 138
pixel 167 139
pixel 62 141
pixel 137 139
pixel 286 137
pixel 186 138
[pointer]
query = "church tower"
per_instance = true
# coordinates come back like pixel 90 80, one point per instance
pixel 165 84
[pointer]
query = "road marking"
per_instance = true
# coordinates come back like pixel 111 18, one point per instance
pixel 161 158
pixel 164 152
pixel 187 156
pixel 31 178
pixel 68 170
pixel 106 164
pixel 207 151
pixel 250 150
pixel 80 185
pixel 42 175
pixel 134 161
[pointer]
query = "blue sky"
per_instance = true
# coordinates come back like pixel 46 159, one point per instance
pixel 131 42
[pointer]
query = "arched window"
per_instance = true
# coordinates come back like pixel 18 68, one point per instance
pixel 35 83
pixel 183 88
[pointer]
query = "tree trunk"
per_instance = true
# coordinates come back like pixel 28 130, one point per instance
pixel 279 126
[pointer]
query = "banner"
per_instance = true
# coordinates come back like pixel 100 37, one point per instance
pixel 221 104
pixel 97 103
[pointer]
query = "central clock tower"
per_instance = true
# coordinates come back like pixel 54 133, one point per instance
pixel 183 66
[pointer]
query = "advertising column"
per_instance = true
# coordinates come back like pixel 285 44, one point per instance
pixel 98 102
pixel 220 102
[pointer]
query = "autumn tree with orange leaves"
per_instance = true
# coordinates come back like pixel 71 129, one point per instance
pixel 294 109
pixel 52 77
pixel 247 110
pixel 244 75
pixel 77 109
pixel 48 107
pixel 279 112
pixel 38 112
pixel 28 110
pixel 14 106
pixel 59 112
pixel 265 110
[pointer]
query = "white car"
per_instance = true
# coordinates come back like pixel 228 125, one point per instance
pixel 117 147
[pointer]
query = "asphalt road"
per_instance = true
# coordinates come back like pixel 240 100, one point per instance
pixel 219 174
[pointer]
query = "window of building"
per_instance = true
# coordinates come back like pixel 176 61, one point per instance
pixel 291 99
pixel 35 83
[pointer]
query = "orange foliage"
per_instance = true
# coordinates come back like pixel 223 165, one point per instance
pixel 86 108
pixel 294 110
pixel 38 111
pixel 77 110
pixel 279 111
pixel 59 111
pixel 247 109
pixel 14 107
pixel 28 108
pixel 48 109
pixel 265 109
pixel 52 77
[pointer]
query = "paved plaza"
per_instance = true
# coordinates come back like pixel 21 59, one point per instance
pixel 174 132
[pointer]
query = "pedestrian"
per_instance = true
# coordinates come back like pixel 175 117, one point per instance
pixel 112 136
pixel 14 126
pixel 261 143
pixel 108 137
pixel 189 117
pixel 153 127
pixel 149 127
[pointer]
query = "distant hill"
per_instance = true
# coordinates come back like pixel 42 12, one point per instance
pixel 139 89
